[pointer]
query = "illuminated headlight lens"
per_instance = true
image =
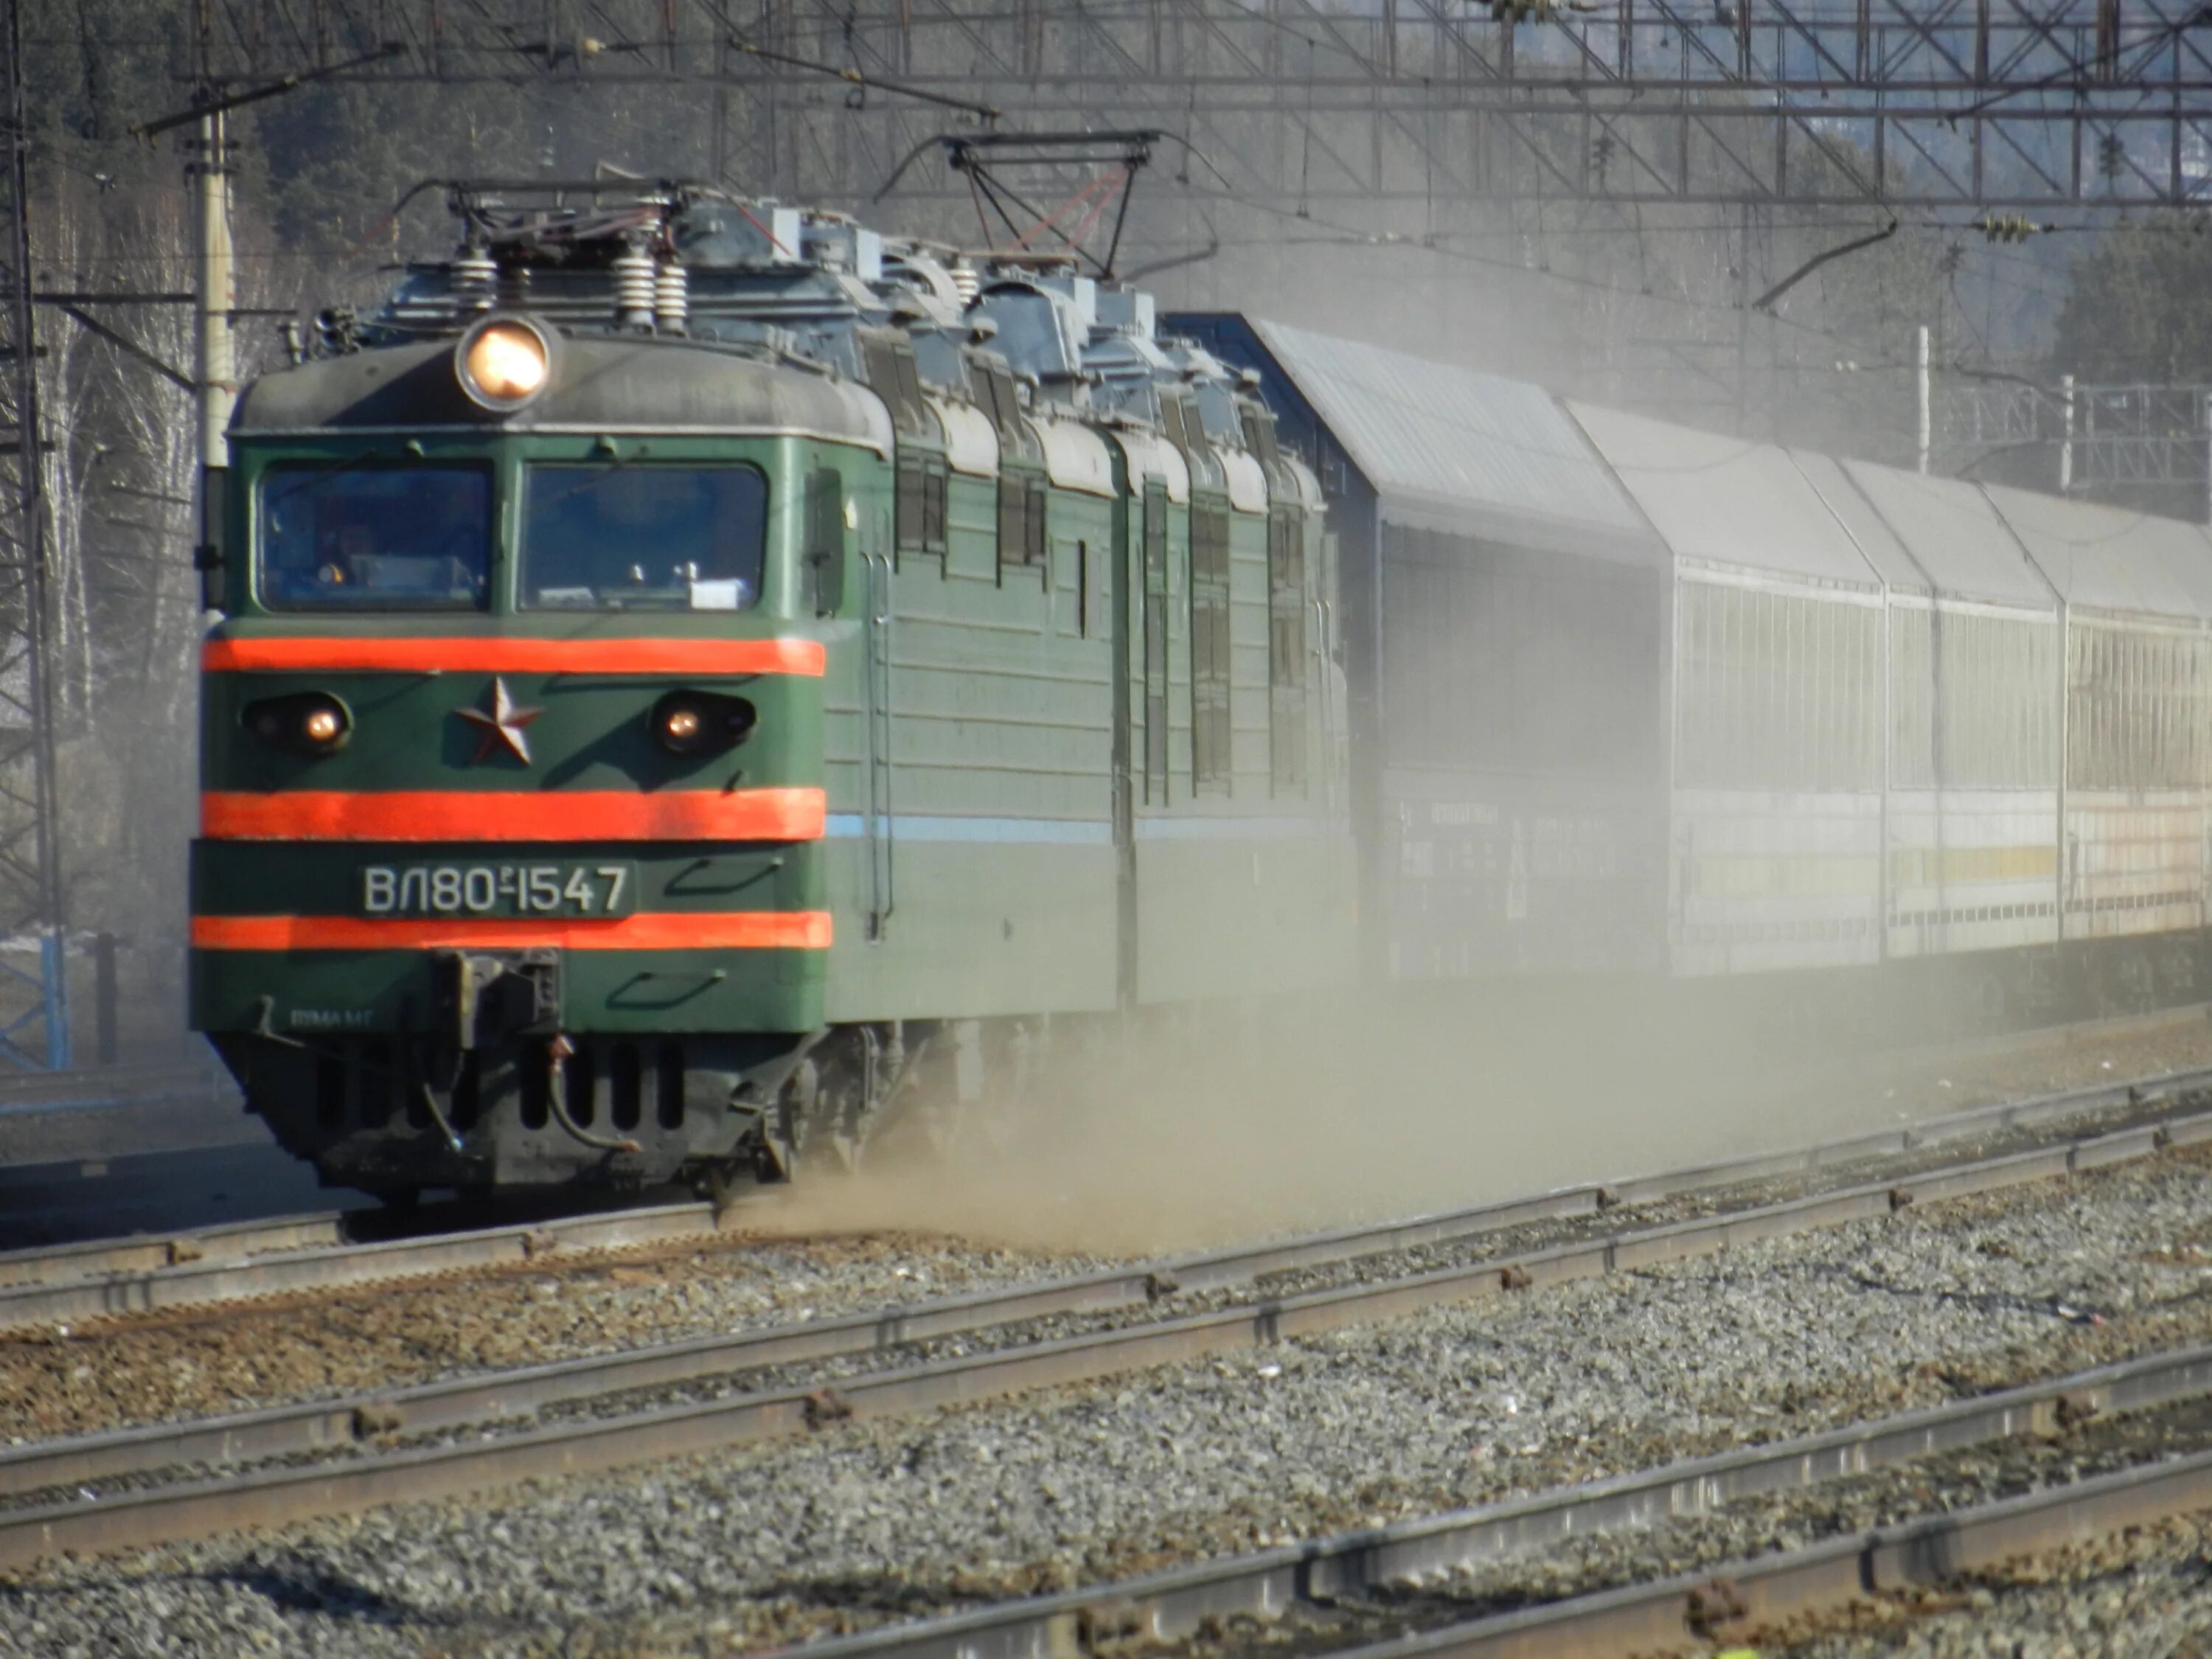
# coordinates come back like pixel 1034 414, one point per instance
pixel 702 722
pixel 309 723
pixel 503 362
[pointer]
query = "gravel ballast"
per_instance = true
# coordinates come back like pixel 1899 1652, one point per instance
pixel 866 1522
pixel 207 1361
pixel 1718 1542
pixel 1318 1277
pixel 2145 1596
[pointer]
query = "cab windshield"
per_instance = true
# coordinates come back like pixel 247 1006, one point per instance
pixel 364 535
pixel 625 536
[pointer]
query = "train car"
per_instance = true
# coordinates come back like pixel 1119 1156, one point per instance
pixel 696 679
pixel 1971 814
pixel 2136 719
pixel 1506 609
pixel 1924 747
pixel 1776 800
pixel 684 672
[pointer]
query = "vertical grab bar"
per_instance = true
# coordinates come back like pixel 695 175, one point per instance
pixel 878 671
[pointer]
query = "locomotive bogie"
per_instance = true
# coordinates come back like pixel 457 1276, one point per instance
pixel 397 1114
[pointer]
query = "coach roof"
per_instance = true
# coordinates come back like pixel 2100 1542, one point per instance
pixel 599 383
pixel 1956 543
pixel 1455 449
pixel 2107 558
pixel 1728 501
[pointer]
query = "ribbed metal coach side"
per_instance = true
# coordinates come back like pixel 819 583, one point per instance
pixel 1505 606
pixel 1971 839
pixel 1777 809
pixel 2138 719
pixel 970 849
pixel 332 1007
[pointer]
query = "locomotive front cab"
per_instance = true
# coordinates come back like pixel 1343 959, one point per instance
pixel 509 870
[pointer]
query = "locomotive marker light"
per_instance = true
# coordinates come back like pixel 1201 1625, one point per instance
pixel 702 722
pixel 310 723
pixel 503 362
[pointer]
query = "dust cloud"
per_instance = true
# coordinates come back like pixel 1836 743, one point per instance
pixel 1232 1123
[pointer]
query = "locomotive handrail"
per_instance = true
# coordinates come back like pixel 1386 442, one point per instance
pixel 876 706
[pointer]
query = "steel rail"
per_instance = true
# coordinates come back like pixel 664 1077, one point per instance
pixel 216 1264
pixel 1691 1611
pixel 1372 1562
pixel 231 1242
pixel 264 1496
pixel 191 1266
pixel 291 1430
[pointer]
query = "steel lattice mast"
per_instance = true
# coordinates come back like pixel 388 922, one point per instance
pixel 1995 104
pixel 33 1002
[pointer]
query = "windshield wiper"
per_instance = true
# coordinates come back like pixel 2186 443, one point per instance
pixel 327 470
pixel 594 476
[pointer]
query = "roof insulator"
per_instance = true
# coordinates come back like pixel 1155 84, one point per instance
pixel 634 284
pixel 472 274
pixel 671 298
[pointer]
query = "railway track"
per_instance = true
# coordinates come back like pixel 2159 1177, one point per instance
pixel 150 1485
pixel 51 1274
pixel 325 1250
pixel 292 1254
pixel 1355 1594
pixel 1740 1598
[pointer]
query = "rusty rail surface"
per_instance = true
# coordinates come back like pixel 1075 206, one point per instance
pixel 1366 1564
pixel 1691 1612
pixel 73 1282
pixel 372 1477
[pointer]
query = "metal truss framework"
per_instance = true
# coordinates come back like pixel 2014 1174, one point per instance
pixel 2108 441
pixel 2003 104
pixel 33 1006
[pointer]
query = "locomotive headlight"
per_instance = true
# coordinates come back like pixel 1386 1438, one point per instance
pixel 702 722
pixel 309 723
pixel 503 361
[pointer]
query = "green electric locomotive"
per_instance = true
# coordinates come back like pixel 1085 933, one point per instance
pixel 689 668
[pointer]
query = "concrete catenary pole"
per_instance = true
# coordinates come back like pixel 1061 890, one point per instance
pixel 216 368
pixel 1927 422
pixel 2066 447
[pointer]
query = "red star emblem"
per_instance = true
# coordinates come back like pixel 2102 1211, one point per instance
pixel 501 725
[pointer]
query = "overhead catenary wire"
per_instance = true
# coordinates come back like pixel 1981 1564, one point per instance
pixel 1354 235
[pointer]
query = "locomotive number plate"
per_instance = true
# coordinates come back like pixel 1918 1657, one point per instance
pixel 561 890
